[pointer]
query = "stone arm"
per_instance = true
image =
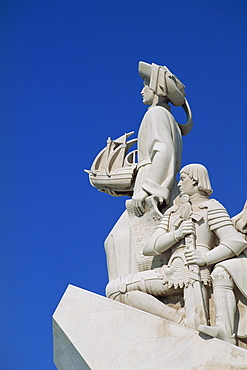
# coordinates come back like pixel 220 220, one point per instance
pixel 156 173
pixel 231 243
pixel 162 153
pixel 161 240
pixel 161 176
pixel 162 171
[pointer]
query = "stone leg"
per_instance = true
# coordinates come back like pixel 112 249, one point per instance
pixel 140 291
pixel 225 307
pixel 196 305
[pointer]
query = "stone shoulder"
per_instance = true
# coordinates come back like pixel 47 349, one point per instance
pixel 157 109
pixel 212 205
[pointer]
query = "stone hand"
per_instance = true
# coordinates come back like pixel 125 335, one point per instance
pixel 156 200
pixel 194 257
pixel 137 202
pixel 186 228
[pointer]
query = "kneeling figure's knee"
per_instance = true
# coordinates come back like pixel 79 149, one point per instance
pixel 115 287
pixel 221 277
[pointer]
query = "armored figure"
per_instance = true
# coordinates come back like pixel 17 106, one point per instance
pixel 229 287
pixel 200 224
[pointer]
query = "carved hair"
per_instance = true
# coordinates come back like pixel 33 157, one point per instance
pixel 198 173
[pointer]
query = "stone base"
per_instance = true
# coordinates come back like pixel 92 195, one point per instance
pixel 94 332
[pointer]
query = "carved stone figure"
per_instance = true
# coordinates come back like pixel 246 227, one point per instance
pixel 174 253
pixel 229 285
pixel 187 234
pixel 159 157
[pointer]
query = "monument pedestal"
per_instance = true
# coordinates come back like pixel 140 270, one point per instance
pixel 94 332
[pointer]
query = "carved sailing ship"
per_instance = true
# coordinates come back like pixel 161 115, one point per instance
pixel 114 168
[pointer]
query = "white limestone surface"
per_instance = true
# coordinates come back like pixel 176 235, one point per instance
pixel 94 332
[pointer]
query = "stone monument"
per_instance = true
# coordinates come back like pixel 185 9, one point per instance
pixel 177 263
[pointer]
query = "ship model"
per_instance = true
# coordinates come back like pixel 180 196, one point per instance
pixel 114 169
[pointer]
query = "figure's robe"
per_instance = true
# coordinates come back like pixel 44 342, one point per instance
pixel 159 159
pixel 159 154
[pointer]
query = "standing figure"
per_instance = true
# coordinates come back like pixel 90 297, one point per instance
pixel 159 157
pixel 209 225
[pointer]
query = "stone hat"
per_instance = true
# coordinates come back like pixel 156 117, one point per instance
pixel 163 82
pixel 144 70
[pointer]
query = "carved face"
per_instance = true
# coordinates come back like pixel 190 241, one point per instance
pixel 147 95
pixel 187 185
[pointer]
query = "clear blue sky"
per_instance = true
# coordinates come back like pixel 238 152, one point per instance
pixel 68 81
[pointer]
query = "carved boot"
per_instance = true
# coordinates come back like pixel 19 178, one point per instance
pixel 225 308
pixel 148 303
pixel 132 290
pixel 217 332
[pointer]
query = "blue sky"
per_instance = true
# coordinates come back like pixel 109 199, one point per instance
pixel 68 81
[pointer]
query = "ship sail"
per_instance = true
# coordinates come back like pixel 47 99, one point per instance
pixel 114 167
